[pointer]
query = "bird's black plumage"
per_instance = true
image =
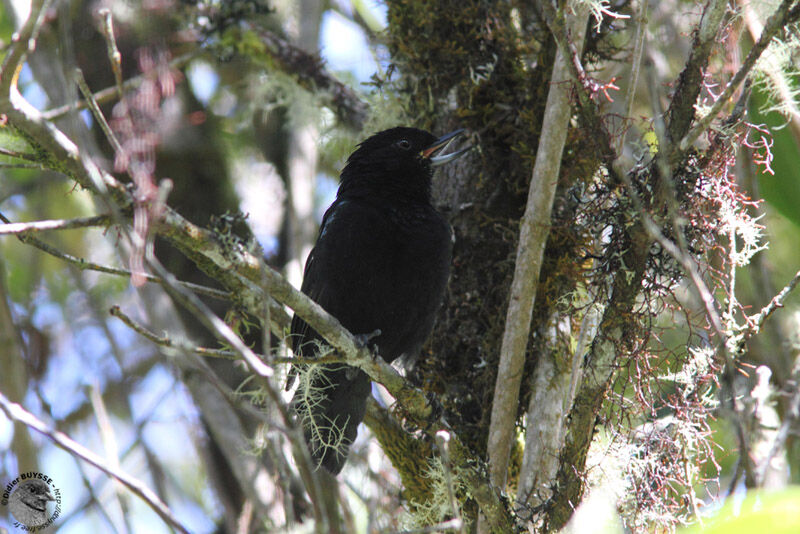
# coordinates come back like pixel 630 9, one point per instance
pixel 381 262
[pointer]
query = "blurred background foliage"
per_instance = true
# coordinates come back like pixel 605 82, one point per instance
pixel 239 135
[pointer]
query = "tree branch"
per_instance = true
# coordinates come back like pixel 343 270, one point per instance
pixel 58 224
pixel 534 229
pixel 17 413
pixel 245 276
pixel 23 42
pixel 756 321
pixel 281 318
pixel 681 110
pixel 309 72
pixel 775 23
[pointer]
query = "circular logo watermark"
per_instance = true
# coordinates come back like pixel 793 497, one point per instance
pixel 32 500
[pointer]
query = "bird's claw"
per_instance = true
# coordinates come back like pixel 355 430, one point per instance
pixel 437 409
pixel 363 340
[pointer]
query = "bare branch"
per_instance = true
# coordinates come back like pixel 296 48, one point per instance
pixel 23 42
pixel 58 224
pixel 114 56
pixel 534 229
pixel 756 321
pixel 97 113
pixel 15 412
pixel 166 341
pixel 681 110
pixel 83 264
pixel 214 324
pixel 775 23
pixel 20 155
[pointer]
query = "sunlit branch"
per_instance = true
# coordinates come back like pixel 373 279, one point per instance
pixel 756 321
pixel 775 23
pixel 17 413
pixel 57 224
pixel 94 107
pixel 114 56
pixel 23 42
pixel 83 264
pixel 166 341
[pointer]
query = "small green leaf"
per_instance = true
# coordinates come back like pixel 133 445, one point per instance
pixel 781 190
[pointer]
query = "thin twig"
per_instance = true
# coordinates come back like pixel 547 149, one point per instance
pixel 166 341
pixel 98 114
pixel 23 42
pixel 20 166
pixel 756 321
pixel 19 155
pixel 779 18
pixel 534 230
pixel 83 264
pixel 57 224
pixel 114 56
pixel 215 325
pixel 638 48
pixel 17 413
pixel 110 445
pixel 111 93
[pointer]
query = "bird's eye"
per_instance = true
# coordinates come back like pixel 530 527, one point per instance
pixel 404 144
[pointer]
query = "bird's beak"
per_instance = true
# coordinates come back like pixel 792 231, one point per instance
pixel 441 144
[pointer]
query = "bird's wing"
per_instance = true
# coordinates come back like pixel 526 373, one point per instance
pixel 332 261
pixel 330 277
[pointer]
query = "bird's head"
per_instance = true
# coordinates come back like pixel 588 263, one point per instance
pixel 398 162
pixel 35 494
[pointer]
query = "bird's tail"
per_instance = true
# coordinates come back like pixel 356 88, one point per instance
pixel 330 402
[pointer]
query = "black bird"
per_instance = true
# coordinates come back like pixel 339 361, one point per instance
pixel 381 263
